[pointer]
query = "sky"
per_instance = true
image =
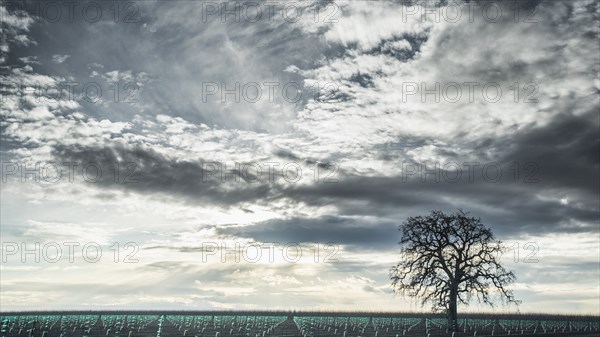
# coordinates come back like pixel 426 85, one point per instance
pixel 262 155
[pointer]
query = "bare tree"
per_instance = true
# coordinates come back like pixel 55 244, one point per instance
pixel 451 258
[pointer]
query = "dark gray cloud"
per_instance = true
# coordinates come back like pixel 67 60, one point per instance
pixel 390 197
pixel 156 174
pixel 326 229
pixel 566 151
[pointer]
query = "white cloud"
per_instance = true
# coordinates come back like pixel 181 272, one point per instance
pixel 57 58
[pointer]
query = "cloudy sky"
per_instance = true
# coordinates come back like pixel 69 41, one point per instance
pixel 170 132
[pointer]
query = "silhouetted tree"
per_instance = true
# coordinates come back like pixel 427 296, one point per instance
pixel 450 258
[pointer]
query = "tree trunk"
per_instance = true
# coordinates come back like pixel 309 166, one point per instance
pixel 452 312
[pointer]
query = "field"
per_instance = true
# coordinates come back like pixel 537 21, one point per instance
pixel 285 324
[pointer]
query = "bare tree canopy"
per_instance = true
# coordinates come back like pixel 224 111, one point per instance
pixel 451 258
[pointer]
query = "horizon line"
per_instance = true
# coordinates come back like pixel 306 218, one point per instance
pixel 288 312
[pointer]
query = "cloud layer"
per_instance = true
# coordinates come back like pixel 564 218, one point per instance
pixel 309 129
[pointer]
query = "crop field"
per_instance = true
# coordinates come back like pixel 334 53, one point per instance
pixel 287 325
